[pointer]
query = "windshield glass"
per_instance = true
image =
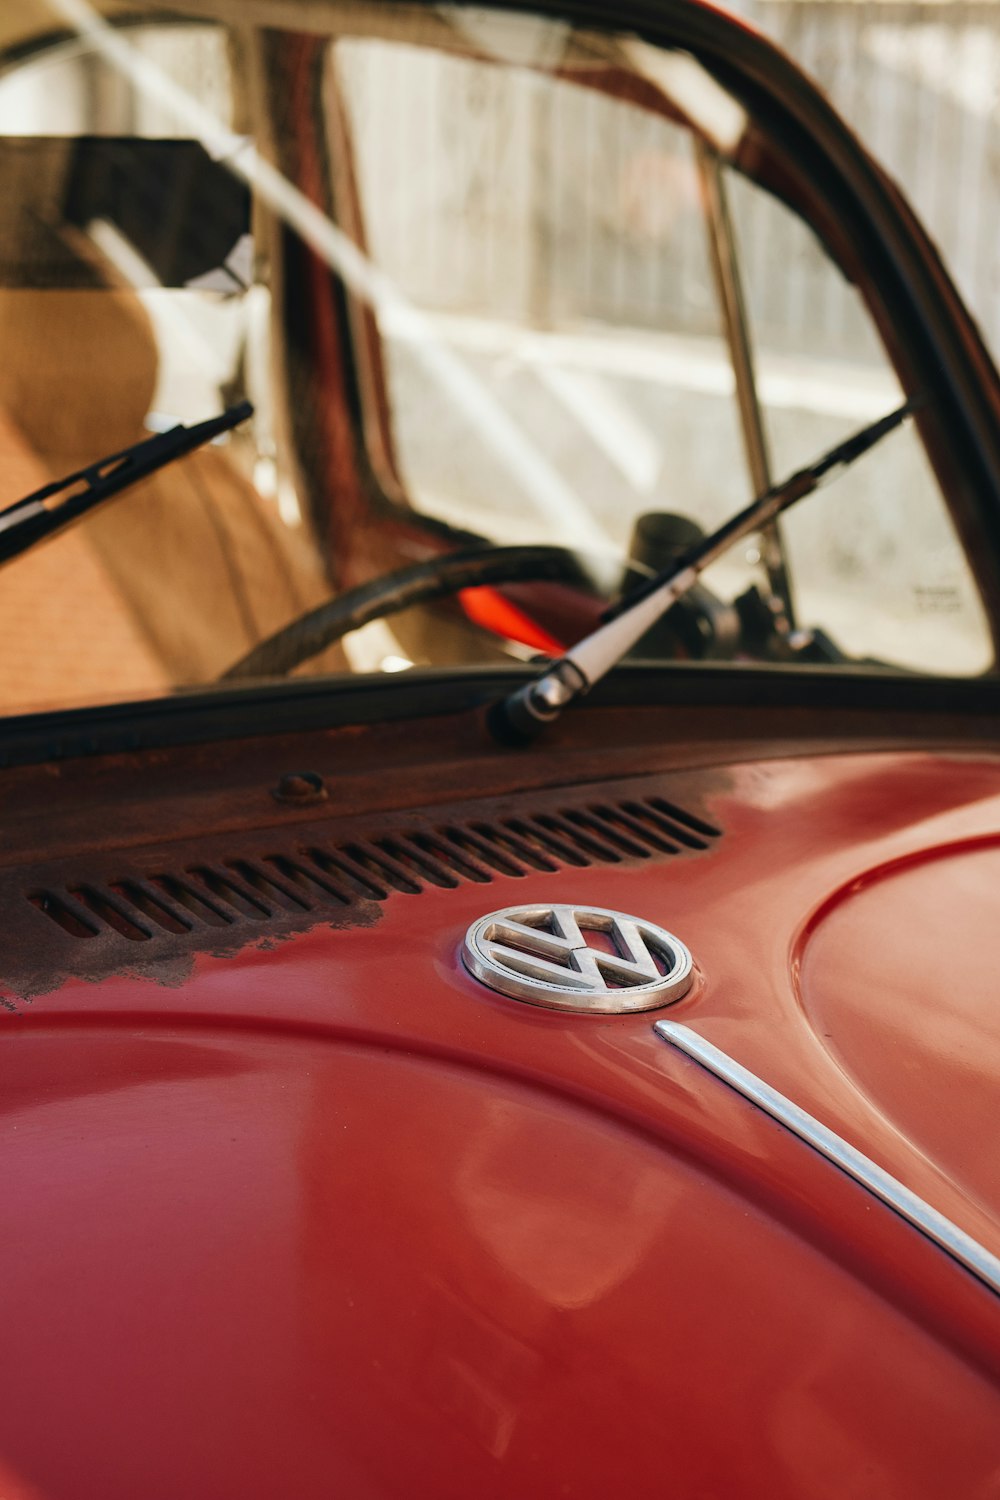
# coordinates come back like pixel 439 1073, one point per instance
pixel 488 282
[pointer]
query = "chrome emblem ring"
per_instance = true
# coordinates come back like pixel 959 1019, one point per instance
pixel 541 954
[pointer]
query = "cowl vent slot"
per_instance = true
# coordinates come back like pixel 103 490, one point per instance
pixel 252 883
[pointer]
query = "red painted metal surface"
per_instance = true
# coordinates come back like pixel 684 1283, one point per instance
pixel 330 1217
pixel 900 979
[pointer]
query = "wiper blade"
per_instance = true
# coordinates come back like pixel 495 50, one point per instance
pixel 524 713
pixel 57 505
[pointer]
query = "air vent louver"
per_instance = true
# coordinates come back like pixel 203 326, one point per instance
pixel 252 887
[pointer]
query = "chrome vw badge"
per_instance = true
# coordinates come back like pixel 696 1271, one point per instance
pixel 542 954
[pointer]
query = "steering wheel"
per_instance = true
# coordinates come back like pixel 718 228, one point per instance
pixel 434 578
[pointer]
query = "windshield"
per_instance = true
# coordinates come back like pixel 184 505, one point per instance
pixel 497 289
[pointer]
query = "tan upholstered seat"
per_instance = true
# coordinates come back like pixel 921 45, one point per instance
pixel 173 581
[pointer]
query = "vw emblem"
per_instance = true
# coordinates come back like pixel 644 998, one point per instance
pixel 542 954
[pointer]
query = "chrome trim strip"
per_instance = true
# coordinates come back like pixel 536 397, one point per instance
pixel 934 1225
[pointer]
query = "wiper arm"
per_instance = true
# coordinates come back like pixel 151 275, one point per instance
pixel 56 505
pixel 524 713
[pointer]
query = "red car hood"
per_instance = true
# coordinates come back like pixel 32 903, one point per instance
pixel 330 1217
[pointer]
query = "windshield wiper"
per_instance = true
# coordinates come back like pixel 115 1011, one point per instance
pixel 525 712
pixel 56 505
